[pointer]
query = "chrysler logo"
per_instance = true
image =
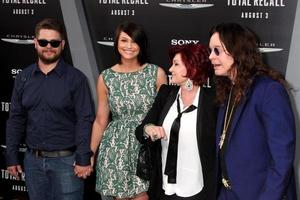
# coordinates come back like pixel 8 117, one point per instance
pixel 17 41
pixel 269 50
pixel 106 43
pixel 186 6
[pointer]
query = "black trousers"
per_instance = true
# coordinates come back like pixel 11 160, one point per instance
pixel 199 196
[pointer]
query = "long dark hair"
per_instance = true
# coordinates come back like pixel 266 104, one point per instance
pixel 242 44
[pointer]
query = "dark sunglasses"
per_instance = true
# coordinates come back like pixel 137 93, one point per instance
pixel 216 51
pixel 53 43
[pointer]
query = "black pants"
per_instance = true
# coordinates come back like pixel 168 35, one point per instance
pixel 199 196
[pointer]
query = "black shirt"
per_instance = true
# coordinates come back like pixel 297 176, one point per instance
pixel 52 111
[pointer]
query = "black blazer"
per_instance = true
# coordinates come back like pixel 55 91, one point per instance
pixel 206 123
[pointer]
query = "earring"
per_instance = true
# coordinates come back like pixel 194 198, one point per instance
pixel 189 84
pixel 170 80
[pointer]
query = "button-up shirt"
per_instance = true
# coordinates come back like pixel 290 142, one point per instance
pixel 189 169
pixel 53 111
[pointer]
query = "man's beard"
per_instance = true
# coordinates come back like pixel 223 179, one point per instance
pixel 47 60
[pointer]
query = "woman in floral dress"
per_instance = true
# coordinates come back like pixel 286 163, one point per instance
pixel 127 91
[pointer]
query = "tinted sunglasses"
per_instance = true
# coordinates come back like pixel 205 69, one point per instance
pixel 53 43
pixel 216 51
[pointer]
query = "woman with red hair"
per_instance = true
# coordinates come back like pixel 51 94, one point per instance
pixel 180 129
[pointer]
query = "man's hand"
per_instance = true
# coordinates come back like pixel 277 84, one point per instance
pixel 15 170
pixel 83 171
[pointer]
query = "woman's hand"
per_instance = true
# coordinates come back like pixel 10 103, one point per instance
pixel 155 132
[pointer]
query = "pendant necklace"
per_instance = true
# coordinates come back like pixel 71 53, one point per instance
pixel 227 119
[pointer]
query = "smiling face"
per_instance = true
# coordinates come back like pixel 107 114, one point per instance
pixel 127 48
pixel 49 54
pixel 178 70
pixel 219 57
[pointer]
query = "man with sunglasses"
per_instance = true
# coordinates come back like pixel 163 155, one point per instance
pixel 52 109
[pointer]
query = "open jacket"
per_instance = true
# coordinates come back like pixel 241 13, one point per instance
pixel 261 145
pixel 206 122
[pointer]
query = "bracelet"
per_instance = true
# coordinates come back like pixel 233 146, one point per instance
pixel 145 134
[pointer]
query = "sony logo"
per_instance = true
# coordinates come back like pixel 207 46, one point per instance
pixel 182 42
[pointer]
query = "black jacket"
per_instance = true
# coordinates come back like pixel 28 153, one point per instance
pixel 206 122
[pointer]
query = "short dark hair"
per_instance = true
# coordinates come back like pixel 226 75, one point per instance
pixel 51 24
pixel 196 60
pixel 137 34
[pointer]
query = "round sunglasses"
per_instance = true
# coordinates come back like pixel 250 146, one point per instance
pixel 216 51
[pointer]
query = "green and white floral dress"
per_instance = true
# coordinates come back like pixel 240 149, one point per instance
pixel 130 97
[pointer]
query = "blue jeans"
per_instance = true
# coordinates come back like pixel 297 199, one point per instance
pixel 52 178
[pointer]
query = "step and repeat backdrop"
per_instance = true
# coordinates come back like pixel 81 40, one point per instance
pixel 166 22
pixel 171 22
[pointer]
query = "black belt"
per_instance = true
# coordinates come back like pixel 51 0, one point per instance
pixel 51 154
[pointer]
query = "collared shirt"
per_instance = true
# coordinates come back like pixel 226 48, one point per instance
pixel 52 111
pixel 189 170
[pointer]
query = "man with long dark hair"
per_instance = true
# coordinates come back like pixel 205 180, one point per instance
pixel 256 125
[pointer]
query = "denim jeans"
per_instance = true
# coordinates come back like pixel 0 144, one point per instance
pixel 52 178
